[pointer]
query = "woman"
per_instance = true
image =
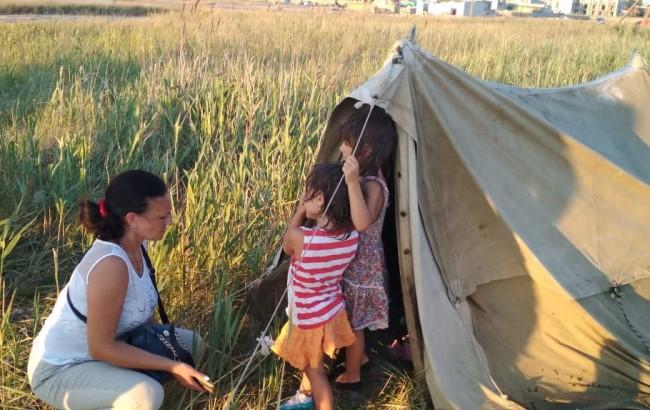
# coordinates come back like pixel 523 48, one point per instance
pixel 74 365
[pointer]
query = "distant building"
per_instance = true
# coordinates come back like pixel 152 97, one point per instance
pixel 567 6
pixel 548 8
pixel 499 4
pixel 460 8
pixel 533 7
pixel 604 8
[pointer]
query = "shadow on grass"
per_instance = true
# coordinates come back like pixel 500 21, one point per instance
pixel 26 88
pixel 78 9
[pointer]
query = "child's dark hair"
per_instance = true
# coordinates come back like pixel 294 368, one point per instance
pixel 379 137
pixel 324 178
pixel 130 191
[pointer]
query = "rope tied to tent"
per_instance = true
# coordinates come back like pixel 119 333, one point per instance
pixel 264 341
pixel 616 293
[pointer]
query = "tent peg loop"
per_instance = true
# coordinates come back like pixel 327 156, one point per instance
pixel 615 291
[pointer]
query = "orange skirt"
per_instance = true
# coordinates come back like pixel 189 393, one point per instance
pixel 305 347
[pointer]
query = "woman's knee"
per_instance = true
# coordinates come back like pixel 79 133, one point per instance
pixel 146 394
pixel 200 346
pixel 193 341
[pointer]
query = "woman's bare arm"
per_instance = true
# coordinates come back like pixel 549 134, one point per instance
pixel 107 285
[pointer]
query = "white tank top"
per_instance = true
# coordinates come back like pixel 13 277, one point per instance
pixel 63 338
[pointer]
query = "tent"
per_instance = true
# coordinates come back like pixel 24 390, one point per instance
pixel 523 232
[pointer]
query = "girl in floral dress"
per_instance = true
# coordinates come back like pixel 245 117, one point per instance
pixel 364 281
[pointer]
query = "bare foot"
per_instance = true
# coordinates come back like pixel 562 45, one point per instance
pixel 346 377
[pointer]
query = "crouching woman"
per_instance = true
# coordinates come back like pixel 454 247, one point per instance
pixel 77 365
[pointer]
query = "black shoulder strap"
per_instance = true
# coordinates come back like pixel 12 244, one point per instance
pixel 74 309
pixel 152 276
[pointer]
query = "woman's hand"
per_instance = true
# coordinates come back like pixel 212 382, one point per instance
pixel 187 375
pixel 351 170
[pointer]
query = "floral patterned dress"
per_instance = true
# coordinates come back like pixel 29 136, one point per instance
pixel 364 281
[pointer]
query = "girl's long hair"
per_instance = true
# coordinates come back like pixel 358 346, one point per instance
pixel 324 178
pixel 378 141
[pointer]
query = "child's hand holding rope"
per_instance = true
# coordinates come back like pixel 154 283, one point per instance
pixel 351 170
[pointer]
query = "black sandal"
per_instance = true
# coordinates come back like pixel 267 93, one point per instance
pixel 335 372
pixel 340 369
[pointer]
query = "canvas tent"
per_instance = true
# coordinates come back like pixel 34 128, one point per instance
pixel 523 232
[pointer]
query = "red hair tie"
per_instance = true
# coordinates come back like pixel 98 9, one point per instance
pixel 103 212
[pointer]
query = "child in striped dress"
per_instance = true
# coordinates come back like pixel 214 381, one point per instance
pixel 318 322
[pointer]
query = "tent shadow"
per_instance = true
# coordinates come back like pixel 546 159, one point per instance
pixel 539 334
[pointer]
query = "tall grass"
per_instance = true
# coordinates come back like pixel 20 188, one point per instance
pixel 228 107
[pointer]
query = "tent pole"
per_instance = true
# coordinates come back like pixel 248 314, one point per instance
pixel 403 223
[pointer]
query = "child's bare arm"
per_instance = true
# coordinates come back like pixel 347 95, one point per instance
pixel 364 211
pixel 293 239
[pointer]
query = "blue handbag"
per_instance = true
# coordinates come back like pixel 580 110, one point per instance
pixel 160 339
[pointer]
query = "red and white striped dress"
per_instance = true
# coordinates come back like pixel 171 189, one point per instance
pixel 314 282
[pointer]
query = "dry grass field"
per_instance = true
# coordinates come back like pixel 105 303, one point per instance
pixel 228 106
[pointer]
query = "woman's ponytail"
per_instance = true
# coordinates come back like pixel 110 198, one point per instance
pixel 103 225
